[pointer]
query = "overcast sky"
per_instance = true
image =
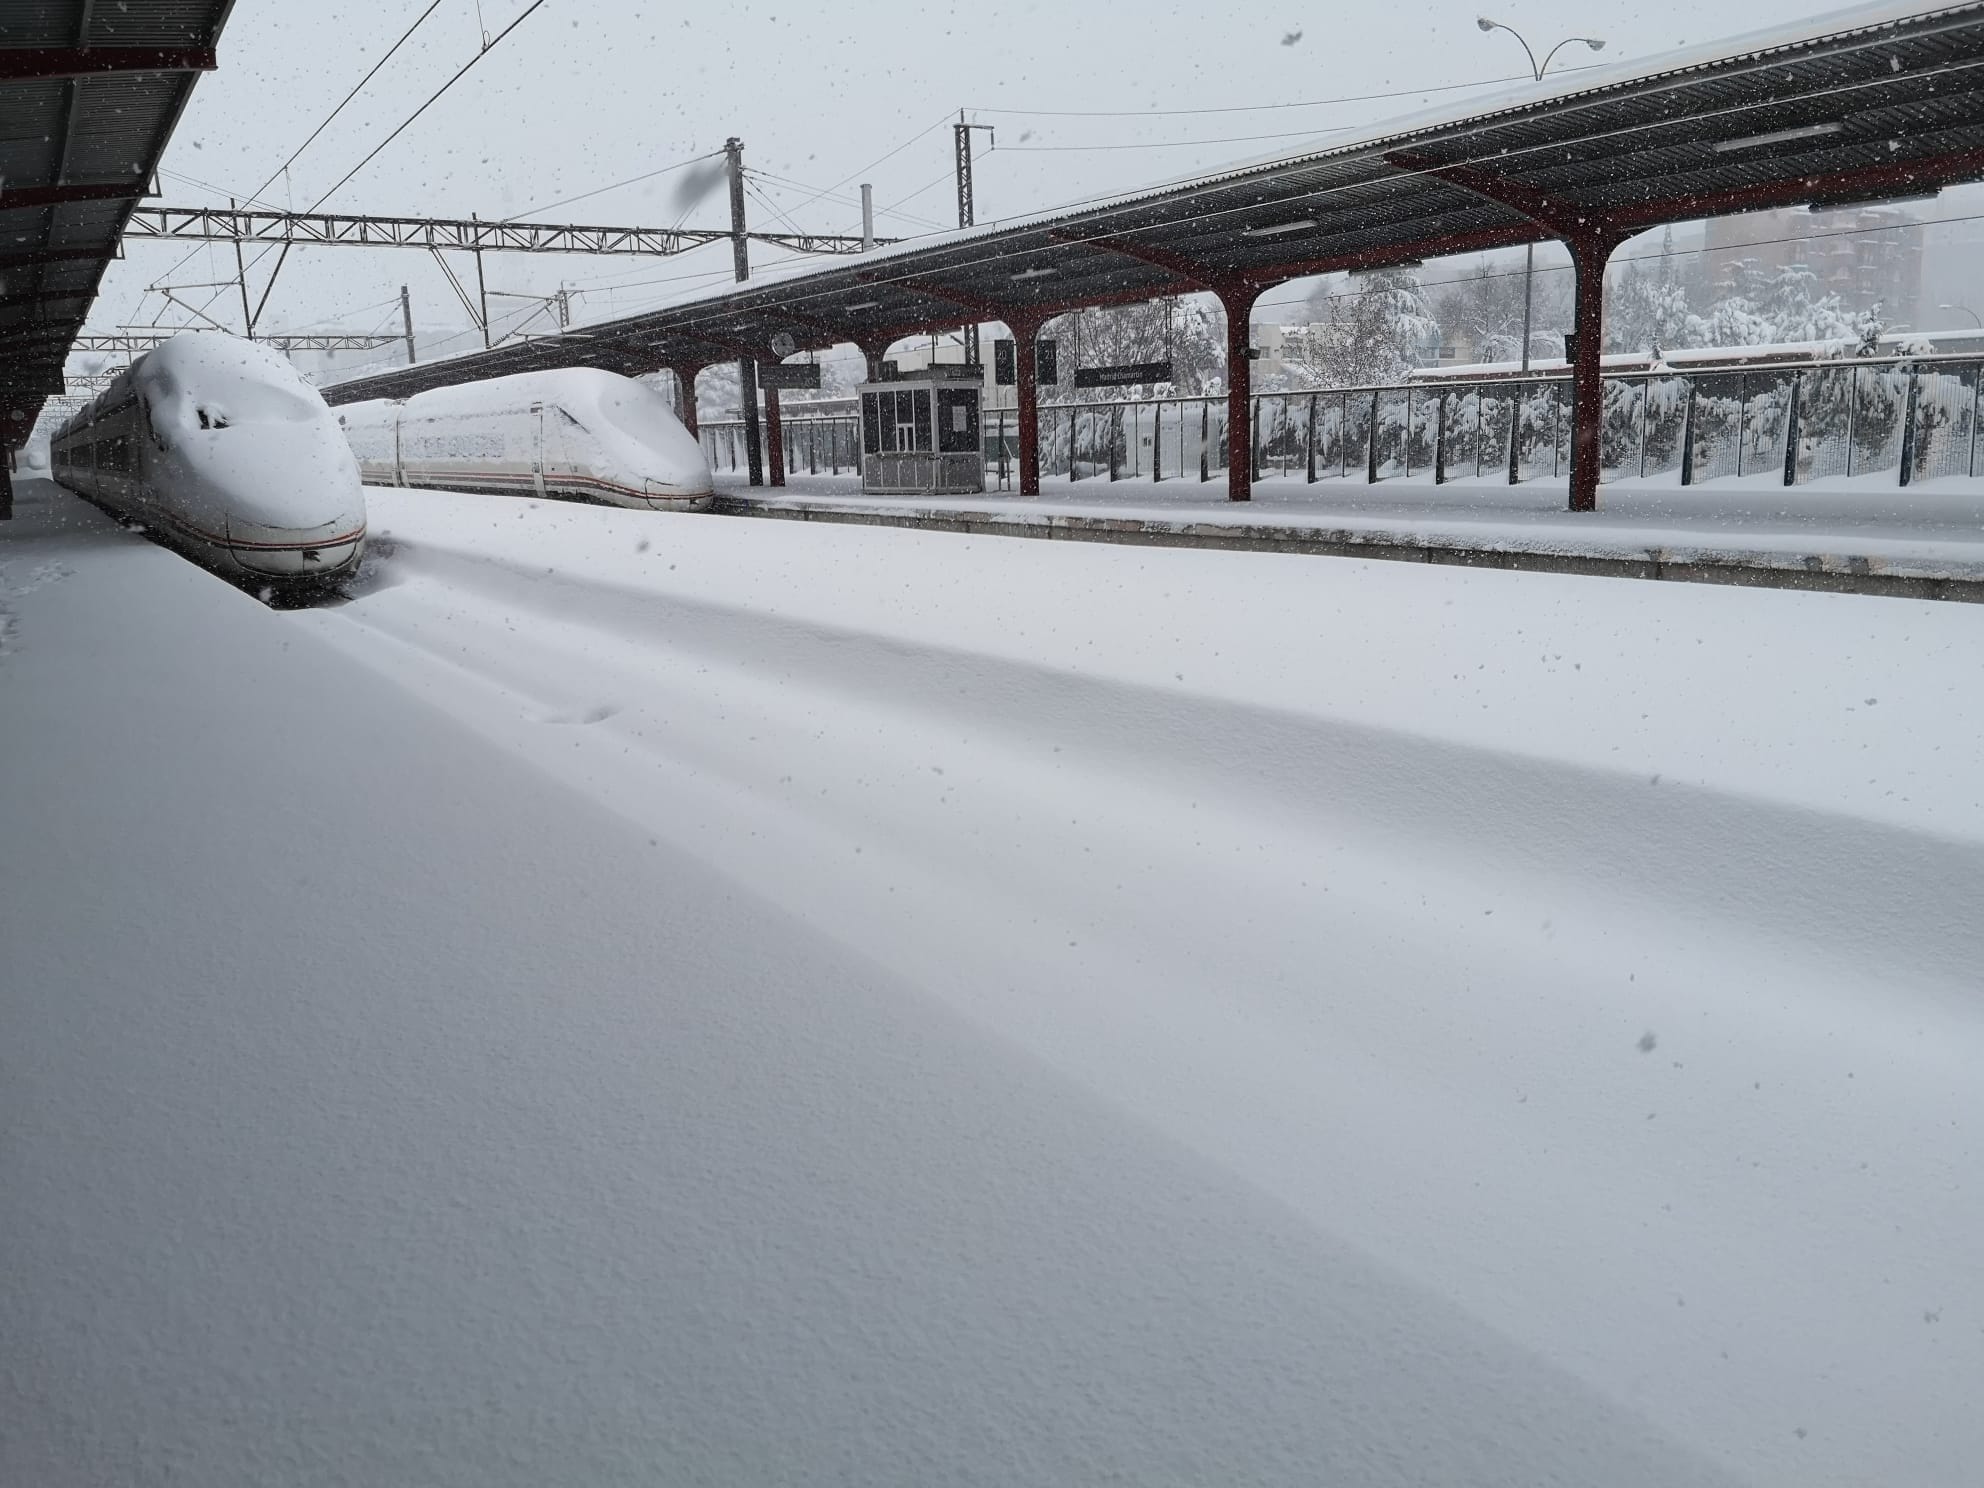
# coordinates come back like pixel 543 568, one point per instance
pixel 585 93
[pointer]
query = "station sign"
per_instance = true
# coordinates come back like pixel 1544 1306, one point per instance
pixel 799 375
pixel 1046 363
pixel 1123 375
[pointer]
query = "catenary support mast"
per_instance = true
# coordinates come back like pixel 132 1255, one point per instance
pixel 747 367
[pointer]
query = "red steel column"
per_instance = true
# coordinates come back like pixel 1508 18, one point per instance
pixel 874 352
pixel 1588 258
pixel 1026 384
pixel 685 382
pixel 774 440
pixel 1238 300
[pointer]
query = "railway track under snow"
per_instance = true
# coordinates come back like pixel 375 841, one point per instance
pixel 1600 955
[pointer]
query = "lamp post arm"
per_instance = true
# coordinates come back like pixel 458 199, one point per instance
pixel 1551 56
pixel 1527 53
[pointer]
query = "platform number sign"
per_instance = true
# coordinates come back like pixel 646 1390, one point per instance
pixel 1046 363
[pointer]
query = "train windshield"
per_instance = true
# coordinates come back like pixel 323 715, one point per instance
pixel 636 411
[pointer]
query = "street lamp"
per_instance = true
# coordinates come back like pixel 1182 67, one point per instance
pixel 1597 44
pixel 1965 310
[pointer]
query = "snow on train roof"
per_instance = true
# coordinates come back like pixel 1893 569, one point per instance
pixel 561 384
pixel 203 354
pixel 195 359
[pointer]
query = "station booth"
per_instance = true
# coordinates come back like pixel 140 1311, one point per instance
pixel 919 433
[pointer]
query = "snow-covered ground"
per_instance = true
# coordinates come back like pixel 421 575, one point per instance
pixel 634 997
pixel 1935 529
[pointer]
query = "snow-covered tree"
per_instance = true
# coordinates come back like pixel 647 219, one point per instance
pixel 1646 307
pixel 1188 330
pixel 1484 311
pixel 1370 334
pixel 1868 328
pixel 1767 306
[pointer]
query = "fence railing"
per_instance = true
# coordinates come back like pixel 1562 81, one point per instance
pixel 1791 423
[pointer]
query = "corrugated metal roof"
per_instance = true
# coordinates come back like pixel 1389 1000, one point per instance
pixel 77 148
pixel 1898 90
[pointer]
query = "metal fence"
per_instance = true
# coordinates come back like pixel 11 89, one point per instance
pixel 1913 418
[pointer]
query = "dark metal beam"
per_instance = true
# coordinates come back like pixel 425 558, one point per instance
pixel 35 257
pixel 23 385
pixel 27 64
pixel 1434 245
pixel 1197 275
pixel 1541 207
pixel 14 197
pixel 1900 178
pixel 45 297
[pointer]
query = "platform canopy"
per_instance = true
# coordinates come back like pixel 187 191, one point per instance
pixel 1877 102
pixel 89 93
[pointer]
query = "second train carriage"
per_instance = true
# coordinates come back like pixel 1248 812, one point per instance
pixel 578 433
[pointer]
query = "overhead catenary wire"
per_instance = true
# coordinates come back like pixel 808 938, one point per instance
pixel 432 99
pixel 1255 108
pixel 1230 139
pixel 818 193
pixel 246 201
pixel 931 184
pixel 770 205
pixel 325 123
pixel 1500 156
pixel 404 124
pixel 879 160
pixel 602 190
pixel 357 88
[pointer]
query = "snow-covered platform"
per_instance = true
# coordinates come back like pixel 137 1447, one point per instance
pixel 639 998
pixel 1863 535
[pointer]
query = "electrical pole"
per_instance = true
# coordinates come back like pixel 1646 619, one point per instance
pixel 241 275
pixel 747 367
pixel 481 286
pixel 1528 280
pixel 867 216
pixel 406 318
pixel 961 144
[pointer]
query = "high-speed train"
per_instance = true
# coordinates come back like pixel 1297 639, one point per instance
pixel 578 433
pixel 218 446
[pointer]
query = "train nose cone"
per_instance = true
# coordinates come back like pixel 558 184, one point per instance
pixel 294 504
